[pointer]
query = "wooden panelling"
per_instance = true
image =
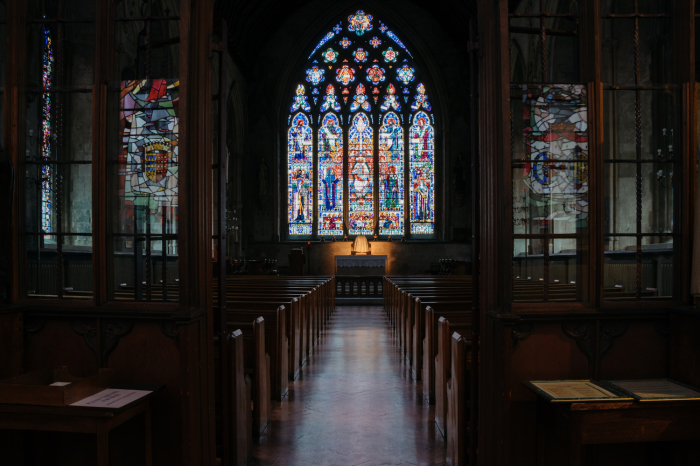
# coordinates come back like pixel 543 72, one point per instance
pixel 62 343
pixel 547 353
pixel 685 348
pixel 11 343
pixel 148 355
pixel 641 352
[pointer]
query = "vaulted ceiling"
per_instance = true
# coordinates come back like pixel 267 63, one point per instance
pixel 250 22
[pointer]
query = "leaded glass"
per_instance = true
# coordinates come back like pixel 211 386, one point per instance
pixel 150 135
pixel 300 163
pixel 361 101
pixel 47 74
pixel 391 179
pixel 330 176
pixel 360 22
pixel 375 74
pixel 362 70
pixel 421 165
pixel 361 166
pixel 555 143
pixel 315 75
pixel 329 101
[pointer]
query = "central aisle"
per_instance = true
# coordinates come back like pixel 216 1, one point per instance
pixel 355 402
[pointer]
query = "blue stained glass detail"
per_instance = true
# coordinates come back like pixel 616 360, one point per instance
pixel 300 182
pixel 327 37
pixel 361 168
pixel 300 100
pixel 330 177
pixel 393 37
pixel 391 179
pixel 421 165
pixel 47 76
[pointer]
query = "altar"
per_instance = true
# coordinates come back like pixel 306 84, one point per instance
pixel 360 265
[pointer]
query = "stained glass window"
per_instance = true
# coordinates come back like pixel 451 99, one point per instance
pixel 374 100
pixel 300 153
pixel 361 169
pixel 47 74
pixel 330 176
pixel 148 163
pixel 422 161
pixel 391 179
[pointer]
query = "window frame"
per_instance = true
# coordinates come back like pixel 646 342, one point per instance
pixel 590 69
pixel 316 117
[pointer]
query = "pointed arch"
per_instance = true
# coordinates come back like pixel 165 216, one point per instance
pixel 363 72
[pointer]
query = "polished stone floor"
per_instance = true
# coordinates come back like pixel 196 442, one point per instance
pixel 354 403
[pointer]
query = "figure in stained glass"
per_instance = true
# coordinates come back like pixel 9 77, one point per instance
pixel 421 99
pixel 360 22
pixel 390 100
pixel 421 164
pixel 300 183
pixel 361 101
pixel 326 171
pixel 329 101
pixel 345 75
pixel 360 160
pixel 391 179
pixel 300 100
pixel 46 177
pixel 405 74
pixel 315 75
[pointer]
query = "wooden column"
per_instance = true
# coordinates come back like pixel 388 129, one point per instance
pixel 196 220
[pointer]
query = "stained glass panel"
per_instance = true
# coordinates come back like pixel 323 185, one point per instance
pixel 359 70
pixel 421 165
pixel 47 74
pixel 361 184
pixel 391 179
pixel 300 183
pixel 147 168
pixel 330 176
pixel 553 130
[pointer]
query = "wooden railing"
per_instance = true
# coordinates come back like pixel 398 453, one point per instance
pixel 358 286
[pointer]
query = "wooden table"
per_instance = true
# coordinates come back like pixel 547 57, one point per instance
pixel 591 423
pixel 73 419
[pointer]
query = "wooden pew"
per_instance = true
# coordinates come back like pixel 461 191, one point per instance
pixel 257 362
pixel 276 341
pixel 443 368
pixel 284 330
pixel 431 345
pixel 458 403
pixel 240 439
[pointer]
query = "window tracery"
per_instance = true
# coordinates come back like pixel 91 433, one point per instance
pixel 352 151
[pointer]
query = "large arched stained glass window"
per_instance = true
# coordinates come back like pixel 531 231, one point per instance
pixel 361 138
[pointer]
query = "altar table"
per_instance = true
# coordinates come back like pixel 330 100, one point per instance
pixel 360 265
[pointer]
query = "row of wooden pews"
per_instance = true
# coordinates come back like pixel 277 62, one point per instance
pixel 528 291
pixel 431 317
pixel 272 325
